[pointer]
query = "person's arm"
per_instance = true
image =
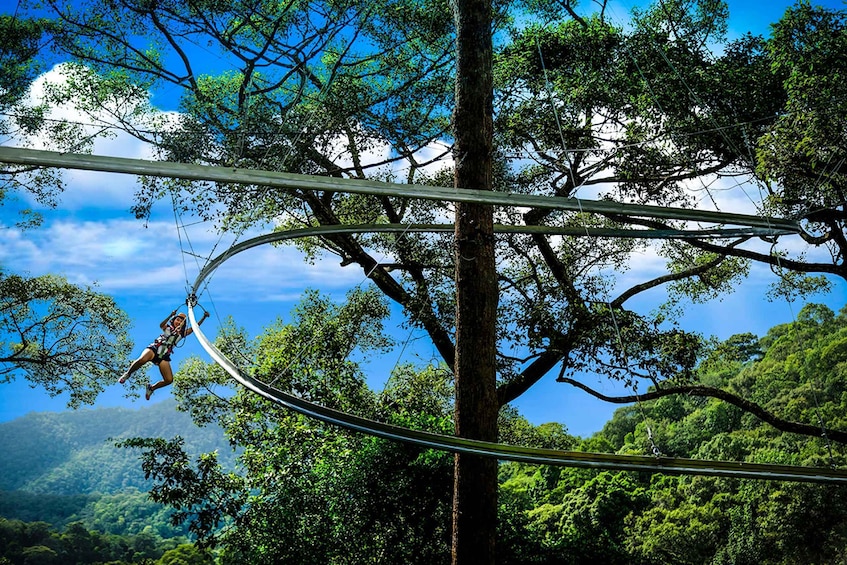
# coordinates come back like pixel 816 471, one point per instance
pixel 189 331
pixel 166 320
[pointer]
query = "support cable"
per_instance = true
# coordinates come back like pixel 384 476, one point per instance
pixel 654 449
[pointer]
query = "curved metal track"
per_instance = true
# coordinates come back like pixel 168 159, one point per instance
pixel 667 465
pixel 430 228
pixel 754 225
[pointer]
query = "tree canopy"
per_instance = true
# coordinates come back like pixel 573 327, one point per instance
pixel 62 337
pixel 347 497
pixel 649 115
pixel 58 336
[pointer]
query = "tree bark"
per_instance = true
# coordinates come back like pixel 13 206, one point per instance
pixel 475 478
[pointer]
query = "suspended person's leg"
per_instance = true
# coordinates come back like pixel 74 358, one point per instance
pixel 167 378
pixel 145 357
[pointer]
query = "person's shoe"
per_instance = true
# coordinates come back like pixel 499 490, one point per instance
pixel 124 377
pixel 149 392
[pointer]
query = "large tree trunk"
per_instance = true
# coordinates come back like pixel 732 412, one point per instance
pixel 475 482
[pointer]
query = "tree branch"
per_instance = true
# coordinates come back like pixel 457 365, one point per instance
pixel 699 390
pixel 733 251
pixel 658 281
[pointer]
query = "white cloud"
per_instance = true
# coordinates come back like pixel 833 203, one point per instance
pixel 93 239
pixel 83 251
pixel 89 189
pixel 273 270
pixel 124 257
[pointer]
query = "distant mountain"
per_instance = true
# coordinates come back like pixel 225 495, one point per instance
pixel 60 467
pixel 74 452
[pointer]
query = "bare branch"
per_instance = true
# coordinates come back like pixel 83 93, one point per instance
pixel 700 390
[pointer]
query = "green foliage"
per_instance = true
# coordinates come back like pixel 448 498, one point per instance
pixel 419 399
pixel 346 497
pixel 312 87
pixel 349 498
pixel 334 489
pixel 567 517
pixel 72 453
pixel 36 543
pixel 580 516
pixel 794 371
pixel 686 533
pixel 319 87
pixel 52 508
pixel 19 63
pixel 58 336
pixel 716 281
pixel 312 356
pixel 206 483
pixel 185 554
pixel 515 429
pixel 807 51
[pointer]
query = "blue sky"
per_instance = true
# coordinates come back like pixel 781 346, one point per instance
pixel 93 238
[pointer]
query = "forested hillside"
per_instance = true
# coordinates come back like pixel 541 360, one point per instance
pixel 611 161
pixel 65 467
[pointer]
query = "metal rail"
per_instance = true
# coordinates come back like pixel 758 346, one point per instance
pixel 640 463
pixel 430 228
pixel 290 181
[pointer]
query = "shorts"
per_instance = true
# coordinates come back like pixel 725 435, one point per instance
pixel 156 359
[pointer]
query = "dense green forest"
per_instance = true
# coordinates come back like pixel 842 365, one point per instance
pixel 348 498
pixel 798 371
pixel 36 543
pixel 68 494
pixel 73 452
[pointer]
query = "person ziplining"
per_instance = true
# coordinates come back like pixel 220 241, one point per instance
pixel 159 352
